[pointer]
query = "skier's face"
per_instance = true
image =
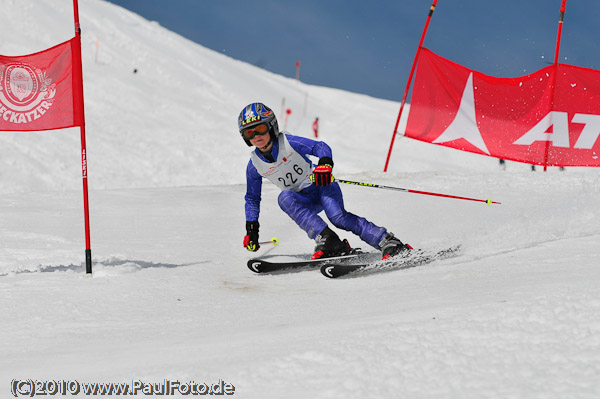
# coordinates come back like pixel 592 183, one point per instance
pixel 262 142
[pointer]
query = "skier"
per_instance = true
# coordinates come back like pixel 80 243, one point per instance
pixel 306 190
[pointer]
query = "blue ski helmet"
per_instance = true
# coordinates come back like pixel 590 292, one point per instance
pixel 255 114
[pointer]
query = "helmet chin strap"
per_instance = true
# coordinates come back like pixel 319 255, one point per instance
pixel 263 149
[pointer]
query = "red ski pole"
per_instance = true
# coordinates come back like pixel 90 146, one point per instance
pixel 406 190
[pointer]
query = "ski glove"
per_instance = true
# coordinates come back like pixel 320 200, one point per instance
pixel 321 175
pixel 251 238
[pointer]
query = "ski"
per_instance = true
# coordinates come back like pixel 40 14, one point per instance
pixel 258 265
pixel 414 258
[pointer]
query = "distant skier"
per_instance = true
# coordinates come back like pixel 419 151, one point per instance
pixel 306 190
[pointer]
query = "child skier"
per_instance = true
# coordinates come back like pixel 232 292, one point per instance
pixel 306 190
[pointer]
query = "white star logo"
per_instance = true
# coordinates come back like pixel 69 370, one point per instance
pixel 249 114
pixel 464 125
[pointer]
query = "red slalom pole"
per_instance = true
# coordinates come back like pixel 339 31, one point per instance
pixel 78 82
pixel 561 17
pixel 410 76
pixel 406 190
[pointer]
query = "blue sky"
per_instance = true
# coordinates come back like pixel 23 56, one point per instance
pixel 369 47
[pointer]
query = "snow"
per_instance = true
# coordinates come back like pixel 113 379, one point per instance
pixel 515 315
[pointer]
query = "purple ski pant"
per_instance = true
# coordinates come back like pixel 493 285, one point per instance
pixel 303 208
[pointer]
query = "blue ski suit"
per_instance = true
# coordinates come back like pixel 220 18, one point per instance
pixel 304 206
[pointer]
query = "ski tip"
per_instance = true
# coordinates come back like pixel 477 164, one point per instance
pixel 334 270
pixel 328 271
pixel 254 265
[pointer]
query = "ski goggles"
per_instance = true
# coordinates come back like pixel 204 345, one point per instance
pixel 254 131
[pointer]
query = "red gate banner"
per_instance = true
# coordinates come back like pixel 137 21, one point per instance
pixel 550 117
pixel 40 91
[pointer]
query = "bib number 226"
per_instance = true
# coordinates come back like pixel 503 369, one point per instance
pixel 290 178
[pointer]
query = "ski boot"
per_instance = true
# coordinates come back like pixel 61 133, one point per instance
pixel 391 246
pixel 330 245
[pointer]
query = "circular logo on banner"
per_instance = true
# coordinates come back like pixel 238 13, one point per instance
pixel 26 93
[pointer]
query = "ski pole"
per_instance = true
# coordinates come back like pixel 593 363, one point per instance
pixel 406 190
pixel 274 241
